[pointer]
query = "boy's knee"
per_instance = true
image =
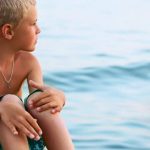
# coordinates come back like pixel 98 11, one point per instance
pixel 11 98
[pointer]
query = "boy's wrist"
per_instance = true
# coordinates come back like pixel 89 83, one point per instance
pixel 35 91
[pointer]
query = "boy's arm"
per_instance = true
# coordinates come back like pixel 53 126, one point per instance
pixel 35 73
pixel 50 98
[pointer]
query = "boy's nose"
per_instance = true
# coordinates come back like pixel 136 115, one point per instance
pixel 38 30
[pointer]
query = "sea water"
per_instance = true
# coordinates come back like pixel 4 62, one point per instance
pixel 98 53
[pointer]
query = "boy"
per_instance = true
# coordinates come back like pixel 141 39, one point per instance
pixel 18 36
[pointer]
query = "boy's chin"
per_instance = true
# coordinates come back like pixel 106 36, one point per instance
pixel 29 50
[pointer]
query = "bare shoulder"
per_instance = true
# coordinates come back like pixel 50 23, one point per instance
pixel 26 57
pixel 27 61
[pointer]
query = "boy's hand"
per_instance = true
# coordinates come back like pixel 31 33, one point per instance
pixel 18 120
pixel 49 98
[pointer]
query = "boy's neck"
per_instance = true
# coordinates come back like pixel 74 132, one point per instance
pixel 6 57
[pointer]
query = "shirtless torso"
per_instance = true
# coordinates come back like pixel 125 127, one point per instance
pixel 25 67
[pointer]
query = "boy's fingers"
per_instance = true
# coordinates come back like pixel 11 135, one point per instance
pixel 23 125
pixel 24 130
pixel 42 102
pixel 45 107
pixel 36 85
pixel 12 128
pixel 31 132
pixel 53 104
pixel 37 98
pixel 55 110
pixel 34 124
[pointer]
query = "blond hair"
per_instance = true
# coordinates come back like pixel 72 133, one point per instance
pixel 12 11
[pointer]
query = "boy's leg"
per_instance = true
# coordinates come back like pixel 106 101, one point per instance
pixel 55 133
pixel 10 141
pixel 7 139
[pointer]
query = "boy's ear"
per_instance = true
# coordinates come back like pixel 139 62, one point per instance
pixel 7 31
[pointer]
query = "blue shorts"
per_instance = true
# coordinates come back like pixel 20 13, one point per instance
pixel 33 144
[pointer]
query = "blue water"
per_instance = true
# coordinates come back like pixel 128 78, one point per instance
pixel 98 53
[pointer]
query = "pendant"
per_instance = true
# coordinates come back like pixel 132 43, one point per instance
pixel 8 85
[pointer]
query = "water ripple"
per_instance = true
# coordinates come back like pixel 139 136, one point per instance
pixel 85 79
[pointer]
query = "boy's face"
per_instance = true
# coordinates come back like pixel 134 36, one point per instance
pixel 26 33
